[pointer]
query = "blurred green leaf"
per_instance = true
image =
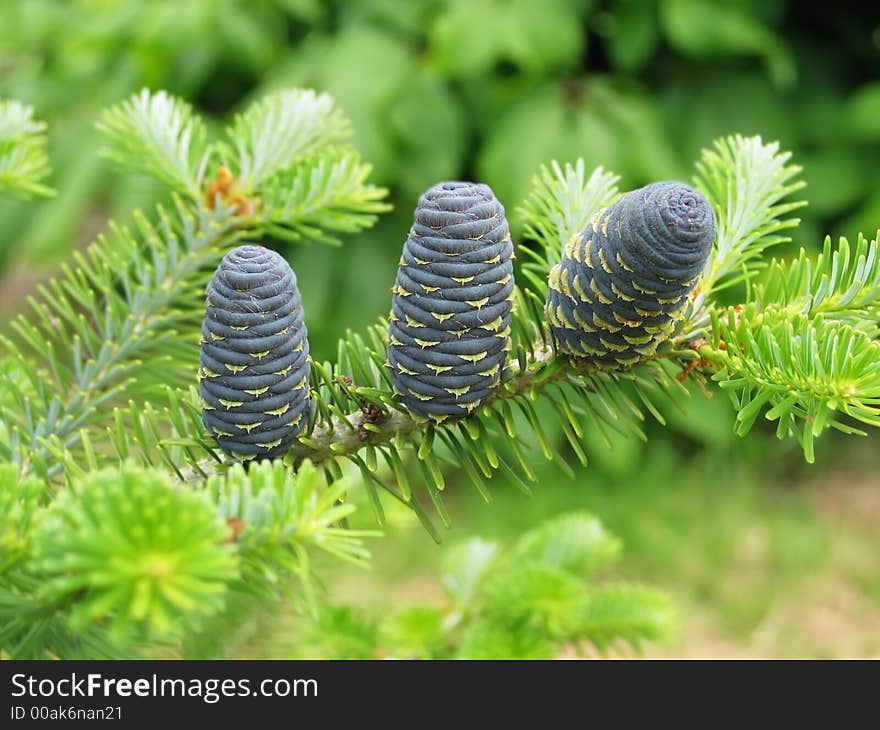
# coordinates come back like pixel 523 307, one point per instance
pixel 365 91
pixel 646 151
pixel 544 125
pixel 470 38
pixel 818 112
pixel 834 176
pixel 410 18
pixel 488 639
pixel 464 568
pixel 311 11
pixel 537 598
pixel 575 542
pixel 628 612
pixel 248 40
pixel 631 34
pixel 862 112
pixel 430 133
pixel 706 106
pixel 413 632
pixel 613 125
pixel 712 29
pixel 341 632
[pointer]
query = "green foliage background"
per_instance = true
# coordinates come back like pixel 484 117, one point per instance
pixel 443 89
pixel 489 89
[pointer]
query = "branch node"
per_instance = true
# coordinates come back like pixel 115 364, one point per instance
pixel 224 187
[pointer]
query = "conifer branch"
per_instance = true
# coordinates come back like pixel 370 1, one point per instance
pixel 378 426
pixel 101 375
pixel 118 324
pixel 23 159
pixel 159 135
pixel 842 283
pixel 122 556
pixel 106 328
pixel 746 180
pixel 805 373
pixel 319 199
pixel 359 418
pixel 803 348
pixel 278 131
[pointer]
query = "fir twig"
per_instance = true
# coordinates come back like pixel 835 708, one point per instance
pixel 747 182
pixel 23 159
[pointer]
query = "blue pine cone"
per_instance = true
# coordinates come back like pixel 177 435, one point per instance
pixel 254 374
pixel 450 315
pixel 624 281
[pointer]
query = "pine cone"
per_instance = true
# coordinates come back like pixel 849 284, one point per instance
pixel 254 374
pixel 624 281
pixel 450 317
